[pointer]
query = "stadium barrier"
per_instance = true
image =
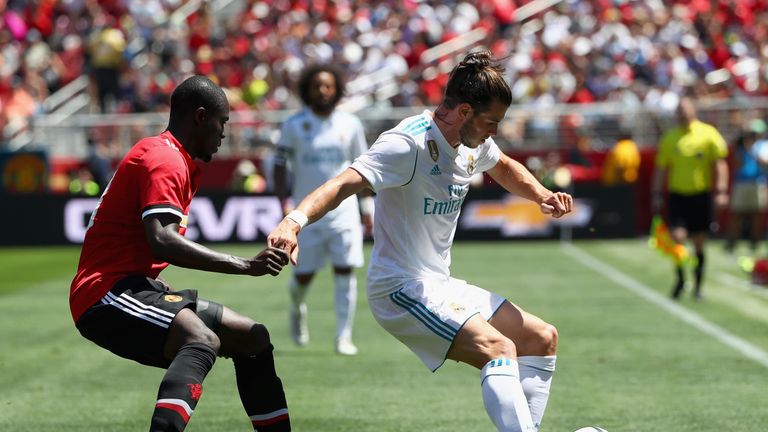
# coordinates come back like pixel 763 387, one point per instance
pixel 488 214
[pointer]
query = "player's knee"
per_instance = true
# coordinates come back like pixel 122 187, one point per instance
pixel 547 340
pixel 258 339
pixel 500 347
pixel 206 336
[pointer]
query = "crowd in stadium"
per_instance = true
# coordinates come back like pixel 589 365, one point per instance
pixel 580 51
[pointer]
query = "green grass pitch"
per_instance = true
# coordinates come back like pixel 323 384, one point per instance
pixel 625 363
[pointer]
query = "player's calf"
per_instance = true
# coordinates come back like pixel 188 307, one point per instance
pixel 182 387
pixel 261 391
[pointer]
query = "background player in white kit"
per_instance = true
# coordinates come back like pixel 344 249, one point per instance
pixel 317 144
pixel 421 171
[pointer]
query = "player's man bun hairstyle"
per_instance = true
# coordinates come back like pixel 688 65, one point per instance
pixel 305 79
pixel 196 91
pixel 477 80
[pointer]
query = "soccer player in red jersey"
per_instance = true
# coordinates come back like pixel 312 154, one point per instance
pixel 118 300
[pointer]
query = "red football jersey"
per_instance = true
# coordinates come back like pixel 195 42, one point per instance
pixel 156 176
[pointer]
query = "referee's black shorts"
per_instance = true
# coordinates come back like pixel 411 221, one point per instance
pixel 692 212
pixel 132 320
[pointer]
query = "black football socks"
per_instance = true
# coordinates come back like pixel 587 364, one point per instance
pixel 182 387
pixel 261 392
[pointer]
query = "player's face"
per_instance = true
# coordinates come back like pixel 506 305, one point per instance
pixel 213 133
pixel 481 126
pixel 686 112
pixel 322 92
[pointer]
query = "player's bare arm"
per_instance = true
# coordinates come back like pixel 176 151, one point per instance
pixel 281 187
pixel 322 200
pixel 515 178
pixel 720 183
pixel 162 231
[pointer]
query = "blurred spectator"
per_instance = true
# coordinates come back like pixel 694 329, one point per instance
pixel 246 178
pixel 106 59
pixel 99 161
pixel 580 51
pixel 622 163
pixel 750 187
pixel 81 182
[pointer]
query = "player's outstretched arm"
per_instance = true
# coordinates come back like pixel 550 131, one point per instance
pixel 322 200
pixel 516 178
pixel 162 231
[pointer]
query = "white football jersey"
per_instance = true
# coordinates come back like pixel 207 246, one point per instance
pixel 318 149
pixel 420 183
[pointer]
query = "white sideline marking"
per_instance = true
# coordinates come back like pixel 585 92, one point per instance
pixel 747 349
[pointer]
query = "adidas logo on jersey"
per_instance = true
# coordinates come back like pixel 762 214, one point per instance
pixel 435 170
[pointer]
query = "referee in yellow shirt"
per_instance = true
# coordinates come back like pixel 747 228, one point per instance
pixel 691 159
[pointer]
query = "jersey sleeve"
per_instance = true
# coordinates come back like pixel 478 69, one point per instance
pixel 165 187
pixel 390 162
pixel 719 146
pixel 489 155
pixel 359 144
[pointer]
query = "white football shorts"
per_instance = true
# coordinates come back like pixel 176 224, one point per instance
pixel 426 314
pixel 345 248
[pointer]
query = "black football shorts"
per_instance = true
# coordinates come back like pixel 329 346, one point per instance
pixel 693 212
pixel 132 320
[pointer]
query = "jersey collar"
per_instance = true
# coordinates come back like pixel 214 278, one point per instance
pixel 316 118
pixel 168 136
pixel 437 135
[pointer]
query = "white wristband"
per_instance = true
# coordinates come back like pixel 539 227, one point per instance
pixel 299 217
pixel 366 205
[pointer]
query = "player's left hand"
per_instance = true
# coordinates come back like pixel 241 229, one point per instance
pixel 557 204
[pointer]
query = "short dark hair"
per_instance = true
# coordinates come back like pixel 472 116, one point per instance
pixel 310 71
pixel 478 80
pixel 196 91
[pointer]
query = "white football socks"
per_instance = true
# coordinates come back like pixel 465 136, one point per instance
pixel 298 293
pixel 346 303
pixel 503 396
pixel 536 378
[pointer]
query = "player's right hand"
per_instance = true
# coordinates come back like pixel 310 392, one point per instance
pixel 284 237
pixel 557 204
pixel 269 261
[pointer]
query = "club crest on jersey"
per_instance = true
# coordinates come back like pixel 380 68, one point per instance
pixel 172 298
pixel 433 152
pixel 471 164
pixel 306 126
pixel 435 170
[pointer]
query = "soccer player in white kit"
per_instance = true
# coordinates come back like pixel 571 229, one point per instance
pixel 318 143
pixel 420 171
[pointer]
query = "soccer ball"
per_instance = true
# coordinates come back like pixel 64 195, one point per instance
pixel 591 429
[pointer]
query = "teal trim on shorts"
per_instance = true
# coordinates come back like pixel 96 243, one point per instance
pixel 420 312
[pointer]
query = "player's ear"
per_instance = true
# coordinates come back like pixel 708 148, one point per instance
pixel 465 111
pixel 199 115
